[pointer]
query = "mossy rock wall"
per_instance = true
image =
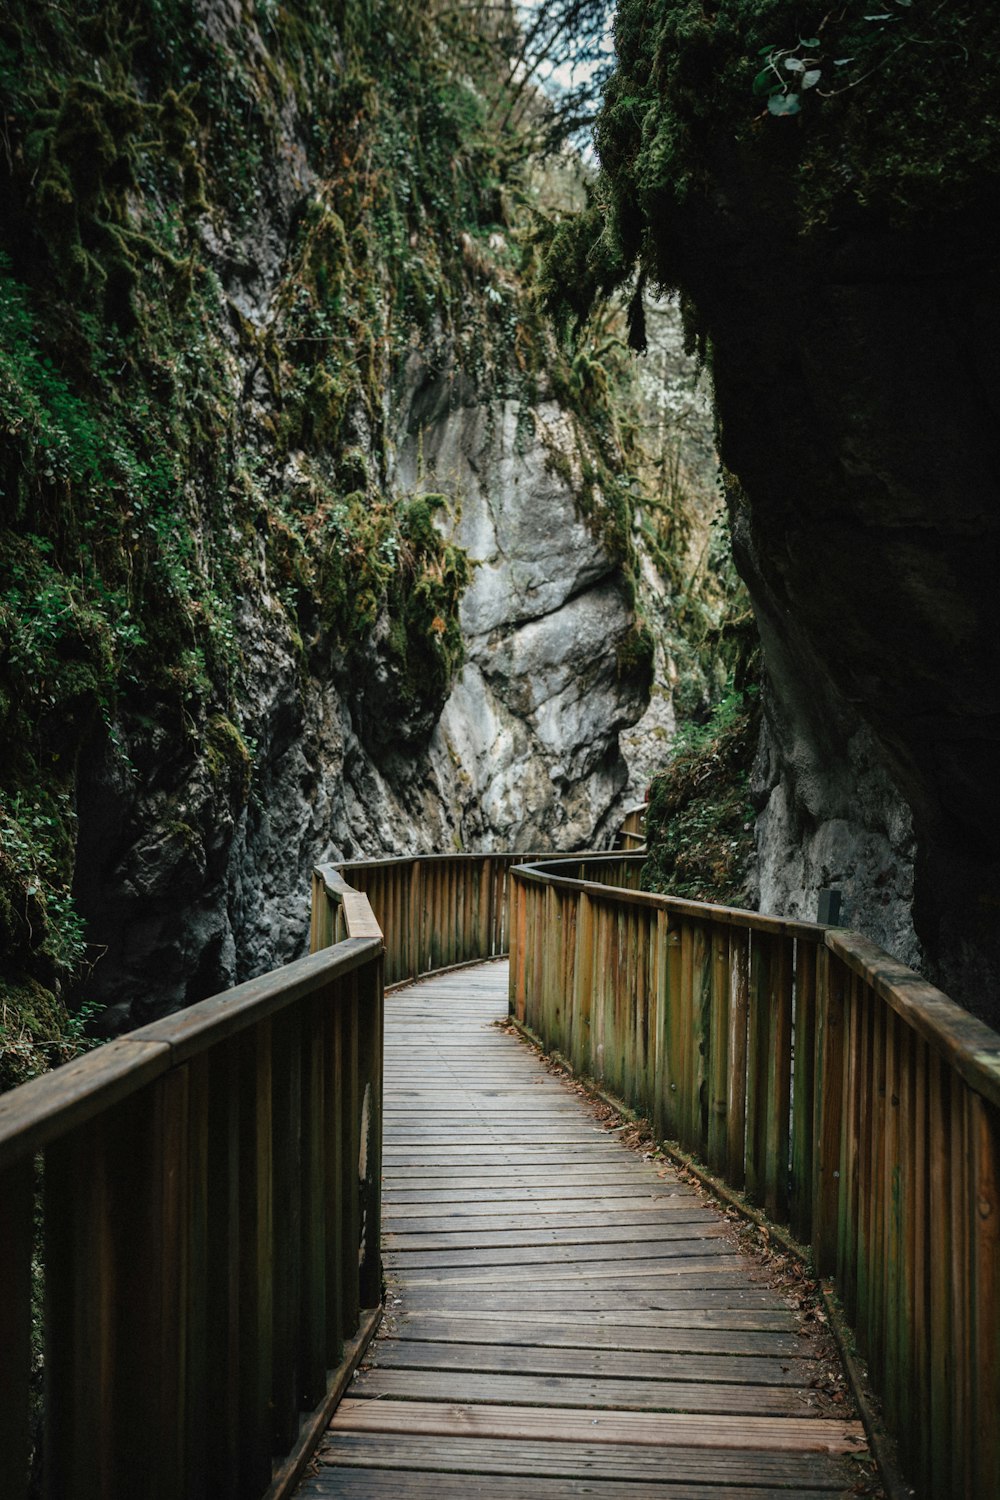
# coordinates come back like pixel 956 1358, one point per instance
pixel 837 263
pixel 236 238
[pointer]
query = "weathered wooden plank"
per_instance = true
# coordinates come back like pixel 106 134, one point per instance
pixel 363 1484
pixel 564 1392
pixel 712 1239
pixel 630 1227
pixel 625 1307
pixel 529 1356
pixel 648 1429
pixel 590 1332
pixel 646 1228
pixel 795 1474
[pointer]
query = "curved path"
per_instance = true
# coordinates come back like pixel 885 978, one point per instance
pixel 563 1318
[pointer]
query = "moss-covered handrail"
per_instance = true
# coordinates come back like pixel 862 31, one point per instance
pixel 847 1097
pixel 208 1188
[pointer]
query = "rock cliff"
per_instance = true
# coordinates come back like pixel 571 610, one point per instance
pixel 315 541
pixel 830 221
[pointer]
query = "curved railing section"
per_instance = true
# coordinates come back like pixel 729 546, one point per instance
pixel 208 1188
pixel 436 910
pixel 848 1098
pixel 632 834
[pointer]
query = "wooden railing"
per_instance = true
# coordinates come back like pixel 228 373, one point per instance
pixel 849 1099
pixel 436 910
pixel 633 830
pixel 208 1190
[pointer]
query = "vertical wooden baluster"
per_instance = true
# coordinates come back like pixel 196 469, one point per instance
pixel 79 1318
pixel 350 1100
pixel 370 1132
pixel 686 1039
pixel 571 915
pixel 286 1115
pixel 899 1097
pixel 161 1256
pixel 881 1131
pixel 256 1259
pixel 963 1314
pixel 647 939
pixel 717 1142
pixel 483 908
pixel 941 1360
pixel 334 1025
pixel 983 1443
pixel 196 1408
pixel 312 1318
pixel 625 1008
pixel 921 1251
pixel 599 944
pixel 454 910
pixel 17 1213
pixel 470 945
pixel 863 1186
pixel 803 1103
pixel 739 962
pixel 847 1208
pixel 779 1057
pixel 828 1085
pixel 616 1067
pixel 758 1052
pixel 661 1060
pixel 221 1398
pixel 702 986
pixel 673 1031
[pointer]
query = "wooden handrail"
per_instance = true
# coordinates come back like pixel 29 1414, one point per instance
pixel 209 1190
pixel 850 1099
pixel 436 910
pixel 632 833
pixel 210 1244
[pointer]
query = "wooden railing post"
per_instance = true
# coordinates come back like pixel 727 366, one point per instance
pixel 370 1136
pixel 17 1213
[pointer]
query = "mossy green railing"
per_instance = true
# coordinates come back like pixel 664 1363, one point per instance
pixel 849 1099
pixel 208 1191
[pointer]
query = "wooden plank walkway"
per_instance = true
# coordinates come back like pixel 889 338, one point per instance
pixel 563 1318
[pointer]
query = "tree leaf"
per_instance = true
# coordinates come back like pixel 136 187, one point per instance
pixel 813 41
pixel 795 65
pixel 763 81
pixel 811 76
pixel 783 104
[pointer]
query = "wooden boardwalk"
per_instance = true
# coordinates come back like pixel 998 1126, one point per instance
pixel 562 1317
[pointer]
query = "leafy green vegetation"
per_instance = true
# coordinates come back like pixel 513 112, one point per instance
pixel 220 246
pixel 831 118
pixel 699 822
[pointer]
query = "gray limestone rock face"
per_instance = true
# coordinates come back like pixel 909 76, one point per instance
pixel 528 740
pixel 192 884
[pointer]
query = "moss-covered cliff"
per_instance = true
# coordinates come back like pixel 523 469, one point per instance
pixel 238 240
pixel 822 187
